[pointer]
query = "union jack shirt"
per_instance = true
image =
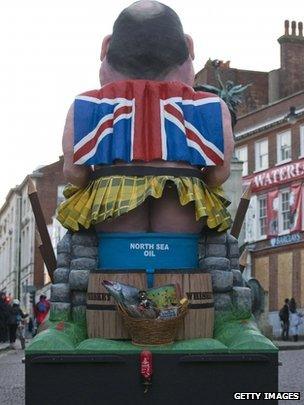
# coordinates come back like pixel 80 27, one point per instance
pixel 139 120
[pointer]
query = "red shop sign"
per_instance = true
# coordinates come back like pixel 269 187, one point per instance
pixel 275 176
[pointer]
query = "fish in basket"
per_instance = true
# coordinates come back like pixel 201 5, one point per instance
pixel 152 317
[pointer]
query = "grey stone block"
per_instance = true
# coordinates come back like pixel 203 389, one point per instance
pixel 202 238
pixel 79 298
pixel 201 249
pixel 60 292
pixel 85 239
pixel 84 251
pixel 233 250
pixel 234 262
pixel 63 259
pixel 222 302
pixel 79 280
pixel 61 275
pixel 214 263
pixel 222 281
pixel 60 311
pixel 64 246
pixel 238 280
pixel 216 250
pixel 241 298
pixel 231 239
pixel 83 264
pixel 217 238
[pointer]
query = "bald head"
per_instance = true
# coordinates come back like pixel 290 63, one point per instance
pixel 147 42
pixel 145 9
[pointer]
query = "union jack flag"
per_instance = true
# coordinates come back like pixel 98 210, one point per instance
pixel 146 120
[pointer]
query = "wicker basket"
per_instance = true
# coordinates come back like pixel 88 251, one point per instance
pixel 152 331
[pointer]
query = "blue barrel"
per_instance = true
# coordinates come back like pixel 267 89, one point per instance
pixel 148 251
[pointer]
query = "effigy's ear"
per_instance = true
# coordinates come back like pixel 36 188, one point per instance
pixel 105 46
pixel 190 45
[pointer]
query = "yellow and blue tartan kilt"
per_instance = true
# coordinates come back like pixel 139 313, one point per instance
pixel 112 196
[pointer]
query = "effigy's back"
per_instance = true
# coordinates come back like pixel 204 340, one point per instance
pixel 148 272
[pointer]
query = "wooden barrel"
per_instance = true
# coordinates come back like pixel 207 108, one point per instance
pixel 103 320
pixel 197 287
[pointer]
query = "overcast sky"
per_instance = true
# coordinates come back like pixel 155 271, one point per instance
pixel 50 53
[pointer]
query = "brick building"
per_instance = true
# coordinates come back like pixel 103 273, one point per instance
pixel 21 264
pixel 267 87
pixel 270 141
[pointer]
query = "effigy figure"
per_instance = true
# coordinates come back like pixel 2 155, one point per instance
pixel 145 152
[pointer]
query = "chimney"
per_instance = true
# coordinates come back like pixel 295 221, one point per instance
pixel 292 59
pixel 286 27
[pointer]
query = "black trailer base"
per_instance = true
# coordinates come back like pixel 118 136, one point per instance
pixel 178 379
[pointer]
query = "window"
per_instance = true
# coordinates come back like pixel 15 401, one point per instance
pixel 302 140
pixel 261 155
pixel 262 216
pixel 283 147
pixel 242 155
pixel 285 211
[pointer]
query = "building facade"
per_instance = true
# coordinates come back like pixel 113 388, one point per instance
pixel 273 155
pixel 21 265
pixel 270 142
pixel 266 87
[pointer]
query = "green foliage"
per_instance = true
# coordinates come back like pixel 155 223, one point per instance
pixel 233 314
pixel 79 315
pixel 59 314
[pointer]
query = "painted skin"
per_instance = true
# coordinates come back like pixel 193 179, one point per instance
pixel 154 215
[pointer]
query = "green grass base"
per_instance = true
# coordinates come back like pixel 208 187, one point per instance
pixel 232 334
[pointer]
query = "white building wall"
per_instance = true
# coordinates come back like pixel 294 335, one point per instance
pixel 274 321
pixel 9 240
pixel 27 244
pixel 17 242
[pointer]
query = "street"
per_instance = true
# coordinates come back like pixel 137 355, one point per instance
pixel 291 375
pixel 12 378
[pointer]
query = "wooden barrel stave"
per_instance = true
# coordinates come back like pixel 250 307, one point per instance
pixel 194 284
pixel 107 323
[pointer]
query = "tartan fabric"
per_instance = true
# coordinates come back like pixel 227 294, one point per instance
pixel 112 196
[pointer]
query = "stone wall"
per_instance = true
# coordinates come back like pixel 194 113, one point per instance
pixel 219 256
pixel 77 254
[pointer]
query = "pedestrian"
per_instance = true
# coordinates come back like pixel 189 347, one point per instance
pixel 284 318
pixel 15 319
pixel 3 317
pixel 41 309
pixel 295 319
pixel 8 298
pixel 30 327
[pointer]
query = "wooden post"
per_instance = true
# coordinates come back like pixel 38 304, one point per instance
pixel 43 253
pixel 44 242
pixel 243 260
pixel 241 213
